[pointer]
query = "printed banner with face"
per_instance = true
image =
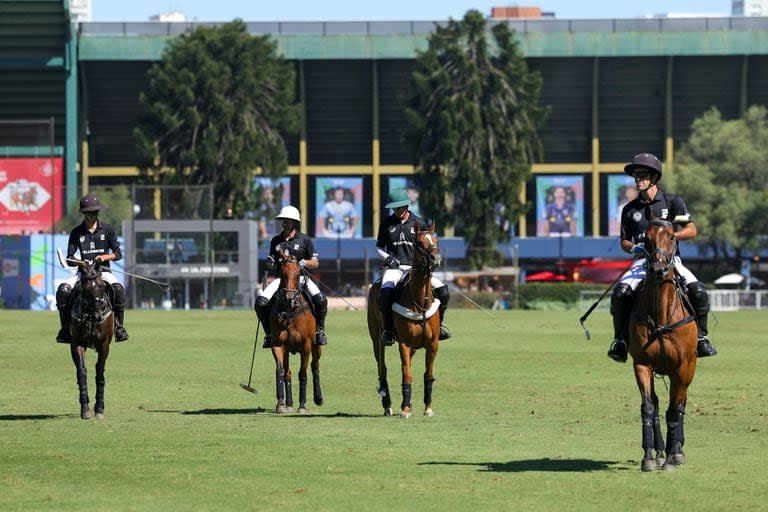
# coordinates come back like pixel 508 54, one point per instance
pixel 272 194
pixel 31 198
pixel 560 206
pixel 339 207
pixel 410 187
pixel 621 190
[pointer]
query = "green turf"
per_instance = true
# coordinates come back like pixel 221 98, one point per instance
pixel 529 416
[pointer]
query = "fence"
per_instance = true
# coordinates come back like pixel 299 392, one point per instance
pixel 720 300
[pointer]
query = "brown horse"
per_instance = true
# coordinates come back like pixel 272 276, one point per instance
pixel 92 326
pixel 293 327
pixel 415 321
pixel 663 341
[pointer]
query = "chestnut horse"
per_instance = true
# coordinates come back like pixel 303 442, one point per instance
pixel 415 321
pixel 662 340
pixel 92 326
pixel 293 327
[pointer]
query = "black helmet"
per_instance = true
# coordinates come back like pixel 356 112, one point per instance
pixel 644 161
pixel 89 204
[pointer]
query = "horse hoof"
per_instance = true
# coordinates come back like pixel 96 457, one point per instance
pixel 99 415
pixel 429 413
pixel 281 409
pixel 668 466
pixel 302 410
pixel 660 461
pixel 649 465
pixel 405 415
pixel 85 414
pixel 388 411
pixel 319 401
pixel 678 458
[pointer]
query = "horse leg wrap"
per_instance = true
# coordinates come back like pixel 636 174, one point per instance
pixel 317 391
pixel 675 438
pixel 288 393
pixel 646 414
pixel 658 436
pixel 406 396
pixel 428 391
pixel 280 385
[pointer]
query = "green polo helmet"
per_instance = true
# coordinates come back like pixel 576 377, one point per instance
pixel 397 198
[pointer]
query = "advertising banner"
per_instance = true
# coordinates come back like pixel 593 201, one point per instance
pixel 559 206
pixel 31 198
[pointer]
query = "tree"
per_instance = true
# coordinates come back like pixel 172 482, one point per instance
pixel 471 123
pixel 216 105
pixel 721 173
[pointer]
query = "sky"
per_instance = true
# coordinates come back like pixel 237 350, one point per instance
pixel 415 10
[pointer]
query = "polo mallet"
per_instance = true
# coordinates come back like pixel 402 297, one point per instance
pixel 248 386
pixel 592 308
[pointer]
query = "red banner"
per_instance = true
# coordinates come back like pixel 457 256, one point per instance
pixel 31 198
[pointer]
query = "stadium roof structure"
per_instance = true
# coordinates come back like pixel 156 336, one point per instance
pixel 404 39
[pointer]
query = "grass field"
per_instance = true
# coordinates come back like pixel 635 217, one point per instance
pixel 529 416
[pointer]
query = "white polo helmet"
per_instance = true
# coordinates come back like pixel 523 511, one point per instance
pixel 289 212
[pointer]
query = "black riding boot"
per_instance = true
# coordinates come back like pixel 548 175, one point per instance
pixel 321 309
pixel 386 299
pixel 120 333
pixel 65 313
pixel 443 296
pixel 621 307
pixel 697 294
pixel 261 306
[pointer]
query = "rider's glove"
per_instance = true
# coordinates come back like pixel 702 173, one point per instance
pixel 302 263
pixel 392 262
pixel 638 249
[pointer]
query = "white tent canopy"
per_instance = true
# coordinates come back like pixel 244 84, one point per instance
pixel 730 279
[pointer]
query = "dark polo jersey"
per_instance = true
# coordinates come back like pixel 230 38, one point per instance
pixel 398 238
pixel 90 245
pixel 637 214
pixel 300 246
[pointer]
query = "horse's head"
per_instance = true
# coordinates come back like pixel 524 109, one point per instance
pixel 290 271
pixel 661 245
pixel 94 291
pixel 427 248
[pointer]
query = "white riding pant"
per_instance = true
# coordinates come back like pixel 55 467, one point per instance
pixel 636 273
pixel 270 290
pixel 106 276
pixel 392 277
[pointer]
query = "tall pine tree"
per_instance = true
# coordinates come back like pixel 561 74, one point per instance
pixel 215 109
pixel 472 122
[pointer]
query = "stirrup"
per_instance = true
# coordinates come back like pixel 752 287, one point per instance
pixel 387 338
pixel 618 350
pixel 704 347
pixel 320 338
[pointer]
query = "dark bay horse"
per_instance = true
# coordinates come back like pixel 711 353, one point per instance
pixel 662 340
pixel 415 320
pixel 293 328
pixel 92 326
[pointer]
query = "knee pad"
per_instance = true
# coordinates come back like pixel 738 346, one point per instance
pixel 62 295
pixel 442 294
pixel 119 295
pixel 622 295
pixel 698 295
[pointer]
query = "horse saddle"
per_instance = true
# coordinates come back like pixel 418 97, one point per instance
pixel 76 304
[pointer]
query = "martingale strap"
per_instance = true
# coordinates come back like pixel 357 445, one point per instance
pixel 666 329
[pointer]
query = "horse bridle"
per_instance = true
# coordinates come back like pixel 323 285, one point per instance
pixel 290 298
pixel 98 306
pixel 424 257
pixel 669 257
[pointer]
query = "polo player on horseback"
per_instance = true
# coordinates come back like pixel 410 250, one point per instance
pixel 653 203
pixel 94 239
pixel 301 247
pixel 395 245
